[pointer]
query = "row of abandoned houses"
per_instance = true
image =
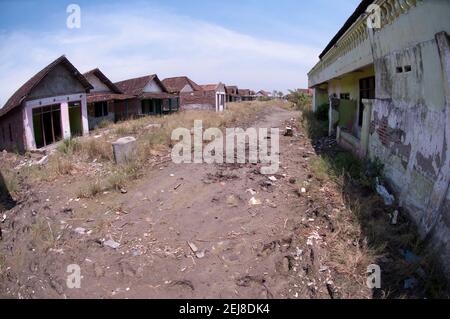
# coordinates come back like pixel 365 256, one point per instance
pixel 385 79
pixel 59 102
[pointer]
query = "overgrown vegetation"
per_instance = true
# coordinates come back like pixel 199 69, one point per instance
pixel 367 222
pixel 300 100
pixel 153 136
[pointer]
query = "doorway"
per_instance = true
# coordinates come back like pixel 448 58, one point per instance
pixel 366 91
pixel 47 125
pixel 75 119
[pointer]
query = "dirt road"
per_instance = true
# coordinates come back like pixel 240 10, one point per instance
pixel 185 231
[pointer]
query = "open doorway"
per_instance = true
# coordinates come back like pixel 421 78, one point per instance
pixel 366 91
pixel 47 125
pixel 76 126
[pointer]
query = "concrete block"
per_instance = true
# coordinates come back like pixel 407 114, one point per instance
pixel 124 149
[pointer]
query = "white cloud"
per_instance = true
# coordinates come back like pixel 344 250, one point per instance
pixel 125 44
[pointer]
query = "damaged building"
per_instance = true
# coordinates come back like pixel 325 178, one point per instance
pixel 233 93
pixel 385 80
pixel 102 99
pixel 182 87
pixel 211 97
pixel 150 97
pixel 49 107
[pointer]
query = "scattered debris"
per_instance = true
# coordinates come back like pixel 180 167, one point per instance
pixel 253 201
pixel 178 186
pixel 394 219
pixel 123 190
pixel 80 231
pixel 289 131
pixel 251 191
pixel 200 254
pixel 111 243
pixel 193 247
pixel 43 160
pixel 383 192
pixel 273 178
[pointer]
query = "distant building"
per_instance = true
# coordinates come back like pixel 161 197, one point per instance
pixel 150 97
pixel 182 87
pixel 247 95
pixel 211 97
pixel 233 94
pixel 102 99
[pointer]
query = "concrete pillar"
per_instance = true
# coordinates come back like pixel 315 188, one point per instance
pixel 365 129
pixel 84 116
pixel 30 143
pixel 65 121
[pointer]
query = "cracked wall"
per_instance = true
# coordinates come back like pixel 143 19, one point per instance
pixel 409 132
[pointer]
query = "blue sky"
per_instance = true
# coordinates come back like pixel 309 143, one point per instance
pixel 257 44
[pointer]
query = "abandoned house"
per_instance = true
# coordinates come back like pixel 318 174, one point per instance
pixel 101 101
pixel 385 78
pixel 246 95
pixel 232 93
pixel 212 97
pixel 181 86
pixel 49 107
pixel 262 94
pixel 150 97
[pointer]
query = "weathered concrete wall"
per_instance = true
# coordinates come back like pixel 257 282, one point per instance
pixel 127 109
pixel 58 82
pixel 12 136
pixel 410 132
pixel 95 121
pixel 199 100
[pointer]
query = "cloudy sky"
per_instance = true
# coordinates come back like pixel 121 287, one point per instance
pixel 257 44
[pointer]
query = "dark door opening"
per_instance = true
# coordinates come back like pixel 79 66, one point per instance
pixel 75 119
pixel 151 107
pixel 366 91
pixel 47 125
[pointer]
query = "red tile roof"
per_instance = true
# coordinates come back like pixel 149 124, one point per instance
pixel 209 87
pixel 157 96
pixel 136 86
pixel 176 84
pixel 22 93
pixel 101 97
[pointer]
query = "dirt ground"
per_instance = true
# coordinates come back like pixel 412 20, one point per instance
pixel 185 231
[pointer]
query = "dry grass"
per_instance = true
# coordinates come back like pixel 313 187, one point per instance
pixel 364 234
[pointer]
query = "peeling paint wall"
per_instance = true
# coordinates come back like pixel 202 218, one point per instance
pixel 409 132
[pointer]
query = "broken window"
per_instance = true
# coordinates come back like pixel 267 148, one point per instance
pixel 345 96
pixel 47 125
pixel 101 109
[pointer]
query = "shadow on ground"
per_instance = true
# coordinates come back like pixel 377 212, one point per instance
pixel 6 201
